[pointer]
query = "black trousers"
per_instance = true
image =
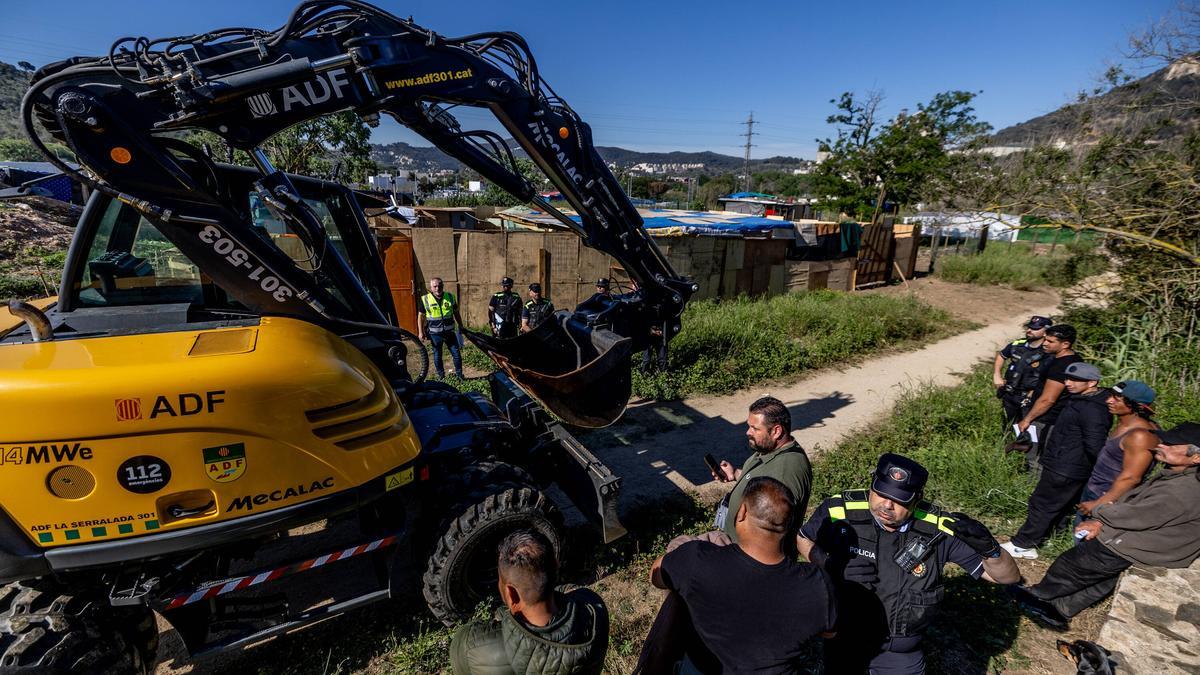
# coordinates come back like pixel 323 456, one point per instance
pixel 845 654
pixel 1081 577
pixel 654 359
pixel 1052 500
pixel 1014 410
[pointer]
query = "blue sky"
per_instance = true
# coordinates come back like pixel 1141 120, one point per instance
pixel 668 75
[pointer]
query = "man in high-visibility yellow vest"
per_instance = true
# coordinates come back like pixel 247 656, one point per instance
pixel 437 320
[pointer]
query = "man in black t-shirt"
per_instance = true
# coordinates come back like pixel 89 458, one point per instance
pixel 751 608
pixel 1051 394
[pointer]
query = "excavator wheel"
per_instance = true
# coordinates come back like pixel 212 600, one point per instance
pixel 497 499
pixel 46 629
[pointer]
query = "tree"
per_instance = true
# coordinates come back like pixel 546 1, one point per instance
pixel 311 148
pixel 1112 170
pixel 714 188
pixel 26 66
pixel 907 159
pixel 314 146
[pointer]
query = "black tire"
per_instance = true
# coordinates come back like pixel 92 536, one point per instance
pixel 461 572
pixel 45 629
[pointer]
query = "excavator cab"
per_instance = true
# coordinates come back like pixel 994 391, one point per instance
pixel 121 266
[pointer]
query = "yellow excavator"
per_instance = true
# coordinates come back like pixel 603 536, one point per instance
pixel 217 418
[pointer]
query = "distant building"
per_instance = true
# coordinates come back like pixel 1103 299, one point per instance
pixel 759 204
pixel 386 182
pixel 968 224
pixel 475 186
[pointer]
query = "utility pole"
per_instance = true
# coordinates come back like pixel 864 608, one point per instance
pixel 749 135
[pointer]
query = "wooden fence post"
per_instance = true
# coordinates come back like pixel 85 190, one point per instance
pixel 544 275
pixel 933 247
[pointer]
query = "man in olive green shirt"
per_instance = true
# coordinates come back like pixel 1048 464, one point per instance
pixel 776 455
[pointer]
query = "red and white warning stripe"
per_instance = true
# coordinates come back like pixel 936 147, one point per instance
pixel 239 583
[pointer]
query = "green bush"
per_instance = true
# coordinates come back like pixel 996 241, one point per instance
pixel 730 345
pixel 1020 268
pixel 20 287
pixel 1081 262
pixel 955 433
pixel 997 265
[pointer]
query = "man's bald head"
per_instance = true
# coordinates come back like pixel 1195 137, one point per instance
pixel 768 505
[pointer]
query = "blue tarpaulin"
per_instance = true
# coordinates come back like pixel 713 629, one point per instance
pixel 749 195
pixel 671 222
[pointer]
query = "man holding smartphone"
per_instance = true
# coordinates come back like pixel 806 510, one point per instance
pixel 776 455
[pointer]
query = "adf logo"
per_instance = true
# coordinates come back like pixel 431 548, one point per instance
pixel 225 463
pixel 128 409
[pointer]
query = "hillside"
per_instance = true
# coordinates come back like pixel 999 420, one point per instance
pixel 1165 99
pixel 13 82
pixel 418 158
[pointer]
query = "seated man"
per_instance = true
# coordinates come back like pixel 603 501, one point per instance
pixel 539 629
pixel 1156 524
pixel 749 607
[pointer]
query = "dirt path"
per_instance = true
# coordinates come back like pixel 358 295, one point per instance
pixel 658 447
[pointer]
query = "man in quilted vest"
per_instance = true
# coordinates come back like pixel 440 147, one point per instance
pixel 539 630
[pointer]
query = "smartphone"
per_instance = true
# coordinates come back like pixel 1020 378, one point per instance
pixel 713 465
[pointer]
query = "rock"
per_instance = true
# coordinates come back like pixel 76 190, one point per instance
pixel 1154 621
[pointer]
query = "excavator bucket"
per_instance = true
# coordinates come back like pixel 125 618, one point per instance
pixel 579 373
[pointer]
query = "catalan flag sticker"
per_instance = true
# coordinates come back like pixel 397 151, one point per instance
pixel 225 463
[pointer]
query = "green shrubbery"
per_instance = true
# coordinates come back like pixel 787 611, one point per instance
pixel 1020 268
pixel 726 346
pixel 956 434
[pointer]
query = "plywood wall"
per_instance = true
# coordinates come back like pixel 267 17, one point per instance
pixel 471 263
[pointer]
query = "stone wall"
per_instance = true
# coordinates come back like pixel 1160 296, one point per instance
pixel 1154 623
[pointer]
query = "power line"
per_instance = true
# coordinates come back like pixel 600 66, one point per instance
pixel 749 135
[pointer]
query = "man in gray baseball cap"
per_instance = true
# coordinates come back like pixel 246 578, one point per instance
pixel 1067 460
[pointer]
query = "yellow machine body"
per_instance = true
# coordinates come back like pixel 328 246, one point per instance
pixel 112 437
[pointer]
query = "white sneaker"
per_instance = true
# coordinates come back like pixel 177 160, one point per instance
pixel 1018 552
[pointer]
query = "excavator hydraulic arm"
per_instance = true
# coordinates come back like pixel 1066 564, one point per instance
pixel 122 115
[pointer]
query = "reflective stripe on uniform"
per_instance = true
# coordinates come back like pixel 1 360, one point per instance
pixel 937 521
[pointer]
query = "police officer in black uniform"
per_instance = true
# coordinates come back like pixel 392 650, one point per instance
pixel 537 310
pixel 1016 383
pixel 504 310
pixel 885 549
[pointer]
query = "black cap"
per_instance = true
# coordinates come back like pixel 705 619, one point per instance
pixel 602 282
pixel 506 281
pixel 1036 322
pixel 1187 433
pixel 899 478
pixel 535 286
